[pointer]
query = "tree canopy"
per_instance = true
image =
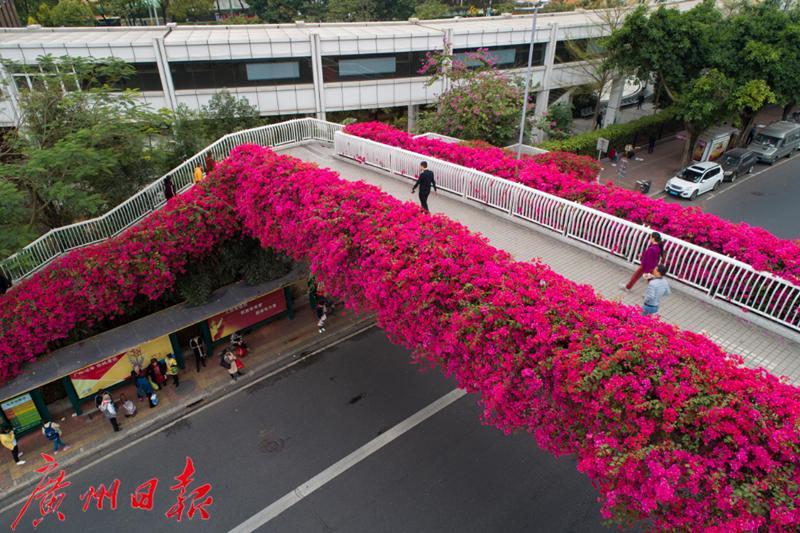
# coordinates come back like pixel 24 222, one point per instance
pixel 481 101
pixel 741 60
pixel 83 146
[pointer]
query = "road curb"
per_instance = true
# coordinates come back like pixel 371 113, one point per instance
pixel 189 404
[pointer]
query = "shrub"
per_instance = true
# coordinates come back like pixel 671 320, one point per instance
pixel 618 134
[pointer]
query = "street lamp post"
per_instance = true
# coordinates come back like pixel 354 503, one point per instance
pixel 527 80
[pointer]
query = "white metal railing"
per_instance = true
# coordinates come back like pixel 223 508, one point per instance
pixel 438 137
pixel 717 275
pixel 60 240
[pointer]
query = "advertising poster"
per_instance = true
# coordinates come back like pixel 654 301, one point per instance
pixel 247 314
pixel 21 412
pixel 108 372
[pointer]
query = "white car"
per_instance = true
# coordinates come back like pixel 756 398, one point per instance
pixel 695 180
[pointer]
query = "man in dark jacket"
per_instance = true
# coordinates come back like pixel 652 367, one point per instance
pixel 424 183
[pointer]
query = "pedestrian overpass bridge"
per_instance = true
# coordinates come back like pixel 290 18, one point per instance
pixel 580 243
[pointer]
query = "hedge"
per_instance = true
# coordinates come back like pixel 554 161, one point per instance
pixel 618 135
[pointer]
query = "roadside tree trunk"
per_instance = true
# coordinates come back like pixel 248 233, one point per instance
pixel 691 138
pixel 787 109
pixel 747 120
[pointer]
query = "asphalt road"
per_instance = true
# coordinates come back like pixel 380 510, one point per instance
pixel 448 473
pixel 767 198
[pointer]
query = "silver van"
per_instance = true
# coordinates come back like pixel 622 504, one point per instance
pixel 776 140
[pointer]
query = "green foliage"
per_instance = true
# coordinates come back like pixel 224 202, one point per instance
pixel 264 264
pixel 242 259
pixel 78 152
pixel 618 134
pixel 14 215
pixel 190 10
pixel 67 13
pixel 290 10
pixel 241 19
pixel 128 10
pixel 482 102
pixel 558 121
pixel 193 130
pixel 352 11
pixel 431 9
pixel 225 114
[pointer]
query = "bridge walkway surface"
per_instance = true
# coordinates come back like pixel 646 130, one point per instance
pixel 759 346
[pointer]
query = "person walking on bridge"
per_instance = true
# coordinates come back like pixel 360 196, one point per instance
pixel 649 260
pixel 424 183
pixel 657 288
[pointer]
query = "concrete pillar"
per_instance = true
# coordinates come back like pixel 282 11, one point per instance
pixel 542 98
pixel 614 101
pixel 413 111
pixel 164 73
pixel 316 70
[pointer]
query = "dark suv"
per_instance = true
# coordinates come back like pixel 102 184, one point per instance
pixel 737 162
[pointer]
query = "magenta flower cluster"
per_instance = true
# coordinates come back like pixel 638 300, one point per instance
pixel 752 245
pixel 668 427
pixel 97 283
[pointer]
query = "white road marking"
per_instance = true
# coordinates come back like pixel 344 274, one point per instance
pixel 158 430
pixel 341 466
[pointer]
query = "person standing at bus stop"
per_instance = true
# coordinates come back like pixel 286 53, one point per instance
pixel 9 440
pixel 425 182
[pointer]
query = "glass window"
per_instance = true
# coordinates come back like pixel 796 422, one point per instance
pixel 574 50
pixel 273 71
pixel 367 66
pixel 507 56
pixel 502 57
pixel 220 74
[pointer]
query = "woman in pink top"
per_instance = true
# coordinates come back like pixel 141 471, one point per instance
pixel 649 261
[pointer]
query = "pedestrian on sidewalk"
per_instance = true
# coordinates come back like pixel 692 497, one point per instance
pixel 599 121
pixel 424 183
pixel 9 440
pixel 109 410
pixel 52 432
pixel 199 350
pixel 157 373
pixel 649 260
pixel 612 154
pixel 750 135
pixel 143 387
pixel 169 188
pixel 128 407
pixel 640 99
pixel 629 152
pixel 651 143
pixel 231 363
pixel 173 369
pixel 657 288
pixel 322 312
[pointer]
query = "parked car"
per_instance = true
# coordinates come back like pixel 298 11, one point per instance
pixel 737 162
pixel 777 140
pixel 695 180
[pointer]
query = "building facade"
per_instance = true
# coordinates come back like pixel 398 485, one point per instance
pixel 309 69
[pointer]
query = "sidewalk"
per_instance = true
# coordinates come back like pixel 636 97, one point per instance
pixel 664 162
pixel 270 347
